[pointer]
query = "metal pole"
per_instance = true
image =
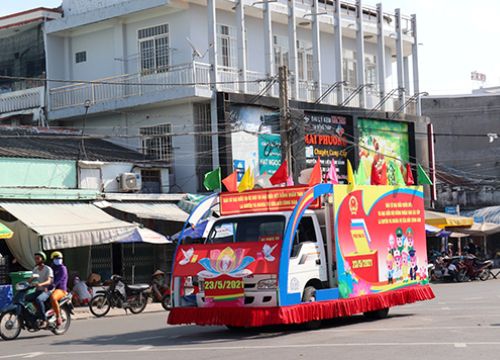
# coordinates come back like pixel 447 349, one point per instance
pixel 414 55
pixel 360 53
pixel 432 170
pixel 268 44
pixel 242 62
pixel 316 50
pixel 292 51
pixel 399 56
pixel 286 151
pixel 212 53
pixel 339 75
pixel 381 53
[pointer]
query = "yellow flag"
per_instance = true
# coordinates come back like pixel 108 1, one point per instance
pixel 247 181
pixel 350 174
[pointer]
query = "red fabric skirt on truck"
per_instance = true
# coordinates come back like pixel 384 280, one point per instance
pixel 301 313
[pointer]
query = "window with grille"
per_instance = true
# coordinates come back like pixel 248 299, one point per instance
pixel 80 57
pixel 157 141
pixel 226 43
pixel 349 68
pixel 280 47
pixel 154 49
pixel 371 70
pixel 304 60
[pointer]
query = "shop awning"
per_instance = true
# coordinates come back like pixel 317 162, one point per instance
pixel 69 224
pixel 443 220
pixel 148 236
pixel 148 210
pixel 482 229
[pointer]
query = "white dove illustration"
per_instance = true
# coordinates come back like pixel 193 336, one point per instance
pixel 267 250
pixel 188 254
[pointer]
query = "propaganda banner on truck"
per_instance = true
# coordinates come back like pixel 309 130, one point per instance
pixel 380 237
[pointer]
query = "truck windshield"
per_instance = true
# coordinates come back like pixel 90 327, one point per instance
pixel 247 229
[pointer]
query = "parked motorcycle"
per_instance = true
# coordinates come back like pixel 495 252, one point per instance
pixel 449 269
pixel 120 295
pixel 21 315
pixel 476 268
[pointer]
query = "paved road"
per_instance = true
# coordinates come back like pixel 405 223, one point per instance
pixel 463 322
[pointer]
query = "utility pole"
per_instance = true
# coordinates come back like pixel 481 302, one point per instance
pixel 286 148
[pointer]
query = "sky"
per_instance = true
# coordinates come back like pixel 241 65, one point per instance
pixel 457 37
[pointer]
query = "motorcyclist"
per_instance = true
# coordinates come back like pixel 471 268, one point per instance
pixel 60 283
pixel 45 279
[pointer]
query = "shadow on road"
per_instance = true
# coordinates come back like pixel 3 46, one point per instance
pixel 199 335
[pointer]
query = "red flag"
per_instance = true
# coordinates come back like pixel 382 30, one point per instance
pixel 281 175
pixel 375 175
pixel 409 175
pixel 231 182
pixel 383 174
pixel 316 174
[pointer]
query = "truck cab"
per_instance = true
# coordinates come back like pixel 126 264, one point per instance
pixel 307 262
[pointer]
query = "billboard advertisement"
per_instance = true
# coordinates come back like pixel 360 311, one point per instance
pixel 255 140
pixel 381 242
pixel 382 142
pixel 325 135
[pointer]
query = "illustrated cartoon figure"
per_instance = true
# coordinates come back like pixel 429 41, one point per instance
pixel 267 251
pixel 392 243
pixel 409 239
pixel 397 263
pixel 413 265
pixel 399 239
pixel 404 266
pixel 390 268
pixel 188 254
pixel 422 272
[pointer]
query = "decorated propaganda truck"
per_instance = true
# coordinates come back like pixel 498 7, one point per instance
pixel 300 255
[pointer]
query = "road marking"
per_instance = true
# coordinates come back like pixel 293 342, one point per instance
pixel 417 328
pixel 445 308
pixel 473 298
pixel 145 348
pixel 148 338
pixel 460 345
pixel 32 355
pixel 252 347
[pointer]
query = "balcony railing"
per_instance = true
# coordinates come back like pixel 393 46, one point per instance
pixel 22 100
pixel 196 75
pixel 123 86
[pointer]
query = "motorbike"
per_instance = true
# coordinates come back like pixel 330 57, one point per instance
pixel 449 269
pixel 21 315
pixel 476 268
pixel 120 295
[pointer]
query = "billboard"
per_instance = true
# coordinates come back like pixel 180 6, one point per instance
pixel 382 142
pixel 325 136
pixel 255 140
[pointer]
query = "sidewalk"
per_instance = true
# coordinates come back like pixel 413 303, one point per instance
pixel 83 312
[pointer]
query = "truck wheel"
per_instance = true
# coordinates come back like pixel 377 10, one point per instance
pixel 310 296
pixel 377 314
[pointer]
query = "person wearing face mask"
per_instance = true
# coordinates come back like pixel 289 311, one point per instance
pixel 60 283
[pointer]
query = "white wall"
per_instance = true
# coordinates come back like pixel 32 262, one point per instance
pixel 100 55
pixel 124 127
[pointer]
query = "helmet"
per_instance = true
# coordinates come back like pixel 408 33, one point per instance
pixel 399 232
pixel 42 255
pixel 56 254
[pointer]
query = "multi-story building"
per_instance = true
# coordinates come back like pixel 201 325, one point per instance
pixel 22 100
pixel 148 72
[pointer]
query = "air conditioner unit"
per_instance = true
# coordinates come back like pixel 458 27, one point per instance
pixel 130 182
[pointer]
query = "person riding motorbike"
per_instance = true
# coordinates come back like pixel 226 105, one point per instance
pixel 158 285
pixel 42 293
pixel 60 283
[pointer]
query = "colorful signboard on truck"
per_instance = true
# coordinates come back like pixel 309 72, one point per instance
pixel 380 235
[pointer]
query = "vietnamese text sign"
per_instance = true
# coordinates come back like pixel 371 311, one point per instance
pixel 266 200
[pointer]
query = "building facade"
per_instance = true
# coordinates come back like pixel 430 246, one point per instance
pixel 150 71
